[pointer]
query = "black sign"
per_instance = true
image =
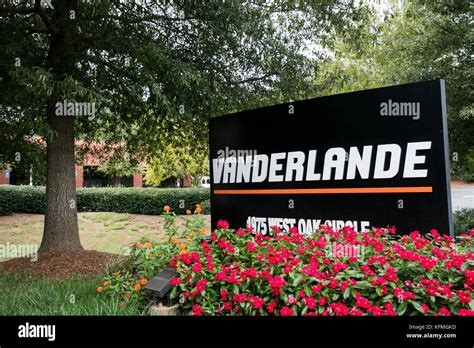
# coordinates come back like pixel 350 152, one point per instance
pixel 370 158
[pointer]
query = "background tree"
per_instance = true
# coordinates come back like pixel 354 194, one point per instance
pixel 415 41
pixel 146 66
pixel 177 163
pixel 119 165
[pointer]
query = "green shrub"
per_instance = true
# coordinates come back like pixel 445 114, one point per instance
pixel 206 207
pixel 22 199
pixel 149 201
pixel 463 220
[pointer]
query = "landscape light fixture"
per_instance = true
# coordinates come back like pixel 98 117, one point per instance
pixel 160 285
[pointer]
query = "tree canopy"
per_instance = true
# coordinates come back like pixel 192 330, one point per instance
pixel 146 74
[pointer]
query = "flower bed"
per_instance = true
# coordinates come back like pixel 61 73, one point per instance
pixel 325 273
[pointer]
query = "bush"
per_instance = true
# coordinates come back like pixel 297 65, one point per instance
pixel 125 280
pixel 463 220
pixel 22 199
pixel 150 201
pixel 206 207
pixel 327 273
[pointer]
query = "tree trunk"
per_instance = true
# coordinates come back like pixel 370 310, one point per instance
pixel 60 224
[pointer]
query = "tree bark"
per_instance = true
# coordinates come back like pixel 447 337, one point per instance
pixel 61 232
pixel 60 224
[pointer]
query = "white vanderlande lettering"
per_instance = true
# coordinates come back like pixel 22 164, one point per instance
pixel 411 159
pixel 275 167
pixel 310 174
pixel 230 169
pixel 295 163
pixel 392 170
pixel 217 169
pixel 260 168
pixel 337 163
pixel 244 169
pixel 361 163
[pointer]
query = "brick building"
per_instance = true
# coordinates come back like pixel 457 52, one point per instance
pixel 86 169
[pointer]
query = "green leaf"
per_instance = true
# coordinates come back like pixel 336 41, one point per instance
pixel 173 292
pixel 297 279
pixel 402 308
pixel 346 293
pixel 418 307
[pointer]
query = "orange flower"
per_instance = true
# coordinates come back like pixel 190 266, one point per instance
pixel 147 245
pixel 99 289
pixel 139 244
pixel 193 234
pixel 143 281
pixel 138 287
pixel 189 240
pixel 127 296
pixel 166 208
pixel 188 212
pixel 116 274
pixel 106 283
pixel 183 251
pixel 178 269
pixel 151 255
pixel 174 240
pixel 182 246
pixel 202 230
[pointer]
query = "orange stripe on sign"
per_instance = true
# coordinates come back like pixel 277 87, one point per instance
pixel 324 191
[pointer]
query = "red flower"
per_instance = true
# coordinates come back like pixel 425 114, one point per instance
pixel 257 302
pixel 363 303
pixel 277 282
pixel 464 297
pixel 271 307
pixel 444 311
pixel 309 302
pixel 197 310
pixel 466 312
pixel 322 300
pixel 176 281
pixel 251 247
pixel 427 263
pixel 239 298
pixel 228 306
pixel 426 309
pixel 240 232
pixel 222 224
pixel 285 311
pixel 201 285
pixel 223 294
pixel 197 268
pixel 391 277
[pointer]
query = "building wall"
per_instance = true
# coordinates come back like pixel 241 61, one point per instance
pixel 138 180
pixel 3 179
pixel 79 176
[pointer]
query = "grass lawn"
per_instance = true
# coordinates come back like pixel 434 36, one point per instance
pixel 24 294
pixel 106 232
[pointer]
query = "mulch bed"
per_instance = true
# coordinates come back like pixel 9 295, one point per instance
pixel 61 264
